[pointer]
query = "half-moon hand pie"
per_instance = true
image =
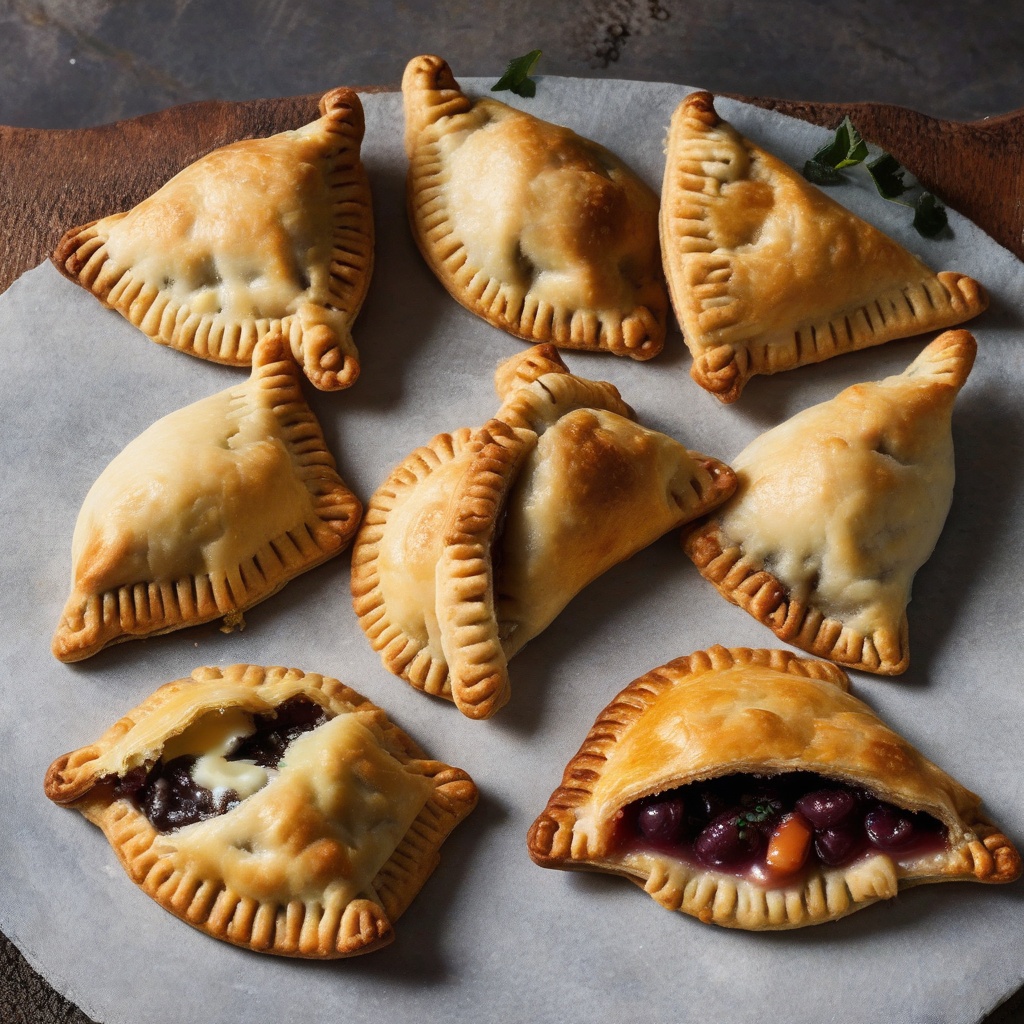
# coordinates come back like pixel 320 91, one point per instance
pixel 257 237
pixel 767 273
pixel 544 234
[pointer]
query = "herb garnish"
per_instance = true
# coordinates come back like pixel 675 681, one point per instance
pixel 848 149
pixel 517 75
pixel 755 815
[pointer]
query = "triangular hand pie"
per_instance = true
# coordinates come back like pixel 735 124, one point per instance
pixel 749 789
pixel 837 509
pixel 766 272
pixel 206 513
pixel 263 235
pixel 476 542
pixel 544 234
pixel 268 807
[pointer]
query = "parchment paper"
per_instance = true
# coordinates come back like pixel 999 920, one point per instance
pixel 492 937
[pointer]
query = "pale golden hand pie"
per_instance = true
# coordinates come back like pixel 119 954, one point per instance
pixel 837 509
pixel 268 807
pixel 767 273
pixel 209 511
pixel 260 236
pixel 544 234
pixel 477 541
pixel 749 789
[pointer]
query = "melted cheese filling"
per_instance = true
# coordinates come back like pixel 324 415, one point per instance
pixel 320 830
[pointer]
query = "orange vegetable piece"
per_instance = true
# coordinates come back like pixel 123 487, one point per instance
pixel 790 844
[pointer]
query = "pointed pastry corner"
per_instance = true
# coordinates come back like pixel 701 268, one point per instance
pixel 429 92
pixel 526 367
pixel 699 106
pixel 427 73
pixel 948 359
pixel 967 297
pixel 343 105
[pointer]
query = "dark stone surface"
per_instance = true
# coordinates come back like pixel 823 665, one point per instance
pixel 73 63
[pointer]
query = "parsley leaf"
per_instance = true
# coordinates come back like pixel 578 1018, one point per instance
pixel 930 217
pixel 846 149
pixel 821 174
pixel 887 175
pixel 517 75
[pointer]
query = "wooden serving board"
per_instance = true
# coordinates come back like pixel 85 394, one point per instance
pixel 53 180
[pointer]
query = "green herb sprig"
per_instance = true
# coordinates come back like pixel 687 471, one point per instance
pixel 848 149
pixel 517 75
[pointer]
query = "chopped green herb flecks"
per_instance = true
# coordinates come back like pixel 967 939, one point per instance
pixel 887 175
pixel 517 75
pixel 930 217
pixel 847 149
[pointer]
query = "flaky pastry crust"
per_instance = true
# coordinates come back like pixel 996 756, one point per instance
pixel 837 509
pixel 544 234
pixel 261 236
pixel 474 544
pixel 761 712
pixel 208 512
pixel 767 273
pixel 287 871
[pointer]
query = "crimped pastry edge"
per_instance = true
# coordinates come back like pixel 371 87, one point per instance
pixel 298 928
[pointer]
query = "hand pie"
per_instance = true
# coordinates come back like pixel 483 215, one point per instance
pixel 749 789
pixel 544 234
pixel 259 236
pixel 837 509
pixel 767 273
pixel 209 511
pixel 476 542
pixel 269 808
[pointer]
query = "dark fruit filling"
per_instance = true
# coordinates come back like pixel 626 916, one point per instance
pixel 169 796
pixel 773 826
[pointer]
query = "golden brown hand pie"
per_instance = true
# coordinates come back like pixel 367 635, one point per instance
pixel 837 509
pixel 766 272
pixel 477 541
pixel 749 789
pixel 268 807
pixel 209 511
pixel 543 233
pixel 260 236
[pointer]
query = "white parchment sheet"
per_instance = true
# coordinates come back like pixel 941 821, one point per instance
pixel 492 937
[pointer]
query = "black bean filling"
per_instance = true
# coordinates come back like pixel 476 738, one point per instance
pixel 169 796
pixel 732 823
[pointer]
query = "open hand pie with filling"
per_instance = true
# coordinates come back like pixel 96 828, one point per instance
pixel 749 789
pixel 268 807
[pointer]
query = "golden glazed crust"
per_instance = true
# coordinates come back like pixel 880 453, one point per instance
pixel 322 860
pixel 837 509
pixel 542 233
pixel 767 273
pixel 261 236
pixel 725 711
pixel 212 509
pixel 561 485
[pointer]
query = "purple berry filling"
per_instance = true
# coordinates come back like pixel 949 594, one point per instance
pixel 170 798
pixel 728 823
